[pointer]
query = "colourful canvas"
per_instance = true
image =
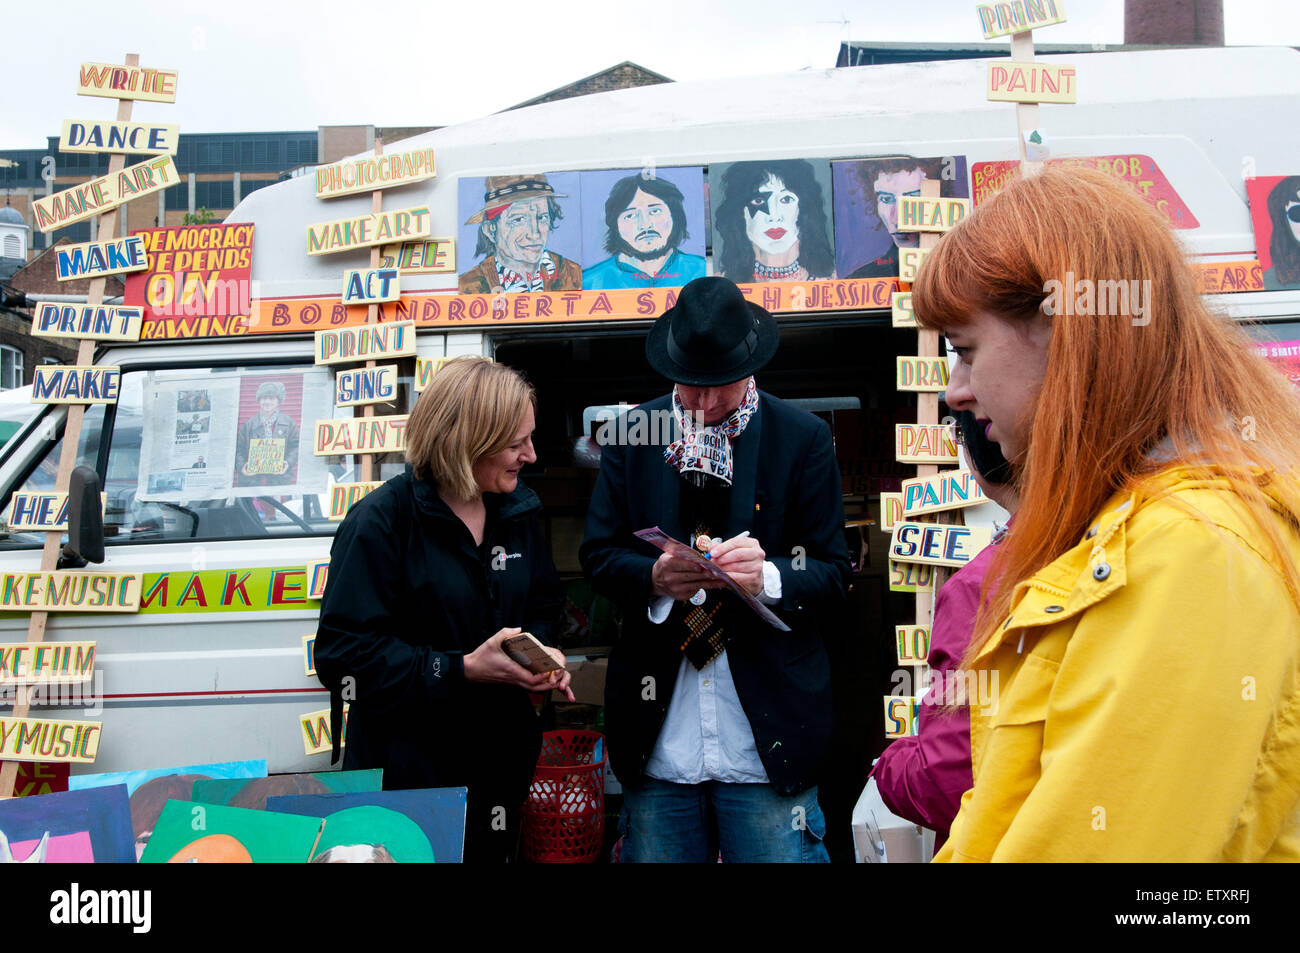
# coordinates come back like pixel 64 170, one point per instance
pixel 70 827
pixel 642 228
pixel 416 826
pixel 867 238
pixel 1275 213
pixel 252 793
pixel 772 220
pixel 189 833
pixel 519 233
pixel 150 789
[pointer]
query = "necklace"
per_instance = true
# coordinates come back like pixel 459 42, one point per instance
pixel 764 272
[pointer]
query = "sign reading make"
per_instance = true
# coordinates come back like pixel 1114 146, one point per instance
pixel 94 259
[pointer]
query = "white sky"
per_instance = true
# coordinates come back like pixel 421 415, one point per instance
pixel 253 65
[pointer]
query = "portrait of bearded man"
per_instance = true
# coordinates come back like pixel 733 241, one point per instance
pixel 645 225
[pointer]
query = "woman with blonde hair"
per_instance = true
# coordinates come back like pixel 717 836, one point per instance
pixel 1143 620
pixel 429 574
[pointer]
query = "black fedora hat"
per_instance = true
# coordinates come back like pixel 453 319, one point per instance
pixel 712 336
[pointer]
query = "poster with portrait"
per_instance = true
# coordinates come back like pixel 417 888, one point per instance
pixel 218 433
pixel 642 228
pixel 772 220
pixel 519 233
pixel 867 191
pixel 1275 214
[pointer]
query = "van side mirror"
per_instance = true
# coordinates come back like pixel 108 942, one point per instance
pixel 85 521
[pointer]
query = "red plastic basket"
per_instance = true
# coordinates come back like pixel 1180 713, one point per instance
pixel 564 816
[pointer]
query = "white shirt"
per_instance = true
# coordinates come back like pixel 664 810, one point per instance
pixel 706 734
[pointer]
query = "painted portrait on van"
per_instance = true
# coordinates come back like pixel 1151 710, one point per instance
pixel 772 220
pixel 519 233
pixel 642 228
pixel 867 192
pixel 1275 214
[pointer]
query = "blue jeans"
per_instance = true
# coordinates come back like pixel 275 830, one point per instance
pixel 664 822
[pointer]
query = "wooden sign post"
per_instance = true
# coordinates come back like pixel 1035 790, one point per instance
pixel 150 84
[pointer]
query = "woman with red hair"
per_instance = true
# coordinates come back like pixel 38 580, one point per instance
pixel 1145 626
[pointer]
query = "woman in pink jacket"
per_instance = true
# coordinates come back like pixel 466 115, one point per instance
pixel 922 778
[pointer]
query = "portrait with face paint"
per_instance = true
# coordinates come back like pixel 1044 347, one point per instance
pixel 642 228
pixel 867 194
pixel 771 220
pixel 1275 213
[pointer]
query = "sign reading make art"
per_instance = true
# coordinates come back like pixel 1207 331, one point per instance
pixel 107 192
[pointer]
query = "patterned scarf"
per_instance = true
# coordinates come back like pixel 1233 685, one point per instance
pixel 512 280
pixel 707 450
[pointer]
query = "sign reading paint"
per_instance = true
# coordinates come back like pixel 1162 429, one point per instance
pixel 918 213
pixel 937 544
pixel 41 739
pixel 136 138
pixel 107 192
pixel 379 228
pixel 1003 19
pixel 365 342
pixel 104 322
pixel 923 374
pixel 360 435
pixel 366 385
pixel 949 490
pixel 60 384
pixel 93 259
pixel 371 173
pixel 371 284
pixel 343 496
pixel 1012 82
pixel 924 443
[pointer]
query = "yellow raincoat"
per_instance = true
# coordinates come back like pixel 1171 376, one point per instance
pixel 1147 702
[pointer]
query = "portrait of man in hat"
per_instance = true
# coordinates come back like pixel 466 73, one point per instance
pixel 645 223
pixel 273 435
pixel 515 223
pixel 718 721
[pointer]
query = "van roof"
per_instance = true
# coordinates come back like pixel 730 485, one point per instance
pixel 1209 117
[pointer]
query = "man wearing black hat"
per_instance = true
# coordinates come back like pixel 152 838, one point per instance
pixel 719 722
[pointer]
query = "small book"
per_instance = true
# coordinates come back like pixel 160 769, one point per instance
pixel 531 654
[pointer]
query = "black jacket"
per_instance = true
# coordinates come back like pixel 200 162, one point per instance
pixel 786 492
pixel 408 595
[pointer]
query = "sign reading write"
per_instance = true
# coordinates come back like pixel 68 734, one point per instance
pixel 193 270
pixel 47 661
pixel 136 138
pixel 127 82
pixel 60 384
pixel 937 544
pixel 94 259
pixel 371 173
pixel 365 342
pixel 107 192
pixel 360 435
pixel 101 322
pixel 40 739
pixel 378 228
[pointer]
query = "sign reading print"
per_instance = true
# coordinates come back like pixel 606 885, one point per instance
pixel 642 228
pixel 513 225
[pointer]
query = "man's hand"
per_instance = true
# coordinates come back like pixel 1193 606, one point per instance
pixel 680 578
pixel 489 663
pixel 742 559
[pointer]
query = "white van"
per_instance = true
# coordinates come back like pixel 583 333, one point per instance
pixel 212 668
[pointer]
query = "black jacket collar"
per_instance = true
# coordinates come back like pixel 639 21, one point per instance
pixel 516 503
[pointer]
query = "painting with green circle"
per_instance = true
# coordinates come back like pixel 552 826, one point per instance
pixel 209 833
pixel 358 824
